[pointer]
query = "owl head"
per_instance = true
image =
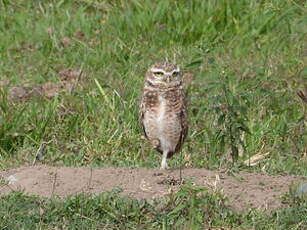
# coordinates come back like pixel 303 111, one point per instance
pixel 164 74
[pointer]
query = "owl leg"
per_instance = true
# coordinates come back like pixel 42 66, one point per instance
pixel 163 162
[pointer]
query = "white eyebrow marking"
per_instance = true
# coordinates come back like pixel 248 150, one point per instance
pixel 154 70
pixel 177 70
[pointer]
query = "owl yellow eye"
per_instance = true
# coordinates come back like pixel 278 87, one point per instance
pixel 158 73
pixel 175 73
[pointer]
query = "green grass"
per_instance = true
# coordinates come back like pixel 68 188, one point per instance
pixel 248 61
pixel 189 208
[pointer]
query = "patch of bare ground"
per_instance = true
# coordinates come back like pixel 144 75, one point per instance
pixel 69 80
pixel 245 190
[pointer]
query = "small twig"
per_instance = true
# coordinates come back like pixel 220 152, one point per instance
pixel 54 183
pixel 256 159
pixel 302 95
pixel 85 217
pixel 181 180
pixel 7 185
pixel 90 179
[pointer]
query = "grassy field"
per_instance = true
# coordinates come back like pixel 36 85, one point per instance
pixel 187 209
pixel 247 61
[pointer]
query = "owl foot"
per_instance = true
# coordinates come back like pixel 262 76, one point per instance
pixel 163 167
pixel 163 162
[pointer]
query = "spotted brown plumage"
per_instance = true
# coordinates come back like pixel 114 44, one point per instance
pixel 163 109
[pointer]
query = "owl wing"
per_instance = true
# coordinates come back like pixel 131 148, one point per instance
pixel 148 102
pixel 142 111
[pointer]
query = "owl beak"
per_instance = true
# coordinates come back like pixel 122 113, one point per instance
pixel 168 78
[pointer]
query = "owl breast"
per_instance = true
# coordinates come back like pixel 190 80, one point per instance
pixel 162 120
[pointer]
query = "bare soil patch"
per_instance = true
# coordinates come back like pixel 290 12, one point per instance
pixel 245 190
pixel 69 80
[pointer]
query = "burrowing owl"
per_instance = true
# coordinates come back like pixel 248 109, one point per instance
pixel 163 109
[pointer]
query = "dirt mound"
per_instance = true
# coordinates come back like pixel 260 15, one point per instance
pixel 69 79
pixel 244 190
